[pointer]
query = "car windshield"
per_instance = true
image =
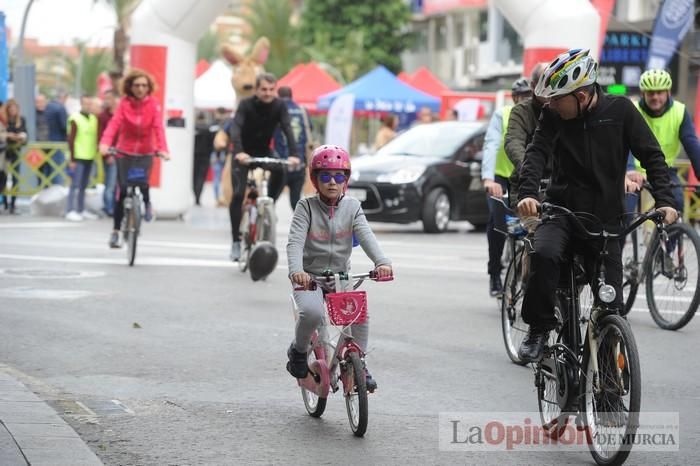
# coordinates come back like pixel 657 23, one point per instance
pixel 429 140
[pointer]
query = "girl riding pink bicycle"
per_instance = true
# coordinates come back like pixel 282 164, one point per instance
pixel 320 243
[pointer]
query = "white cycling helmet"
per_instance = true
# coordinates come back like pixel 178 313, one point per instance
pixel 568 72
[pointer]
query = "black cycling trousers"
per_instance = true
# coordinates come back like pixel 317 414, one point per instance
pixel 119 204
pixel 495 239
pixel 554 244
pixel 239 179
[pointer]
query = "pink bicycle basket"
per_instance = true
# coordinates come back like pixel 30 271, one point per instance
pixel 349 307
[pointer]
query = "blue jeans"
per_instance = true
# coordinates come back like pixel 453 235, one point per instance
pixel 79 182
pixel 218 165
pixel 110 186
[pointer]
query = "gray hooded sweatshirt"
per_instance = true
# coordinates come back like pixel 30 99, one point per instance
pixel 320 238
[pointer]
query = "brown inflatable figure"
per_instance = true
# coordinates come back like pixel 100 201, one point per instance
pixel 245 70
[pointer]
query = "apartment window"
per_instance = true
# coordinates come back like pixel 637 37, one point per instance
pixel 420 30
pixel 440 33
pixel 483 26
pixel 514 41
pixel 459 32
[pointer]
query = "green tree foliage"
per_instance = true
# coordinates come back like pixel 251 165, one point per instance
pixel 92 65
pixel 208 47
pixel 381 25
pixel 271 18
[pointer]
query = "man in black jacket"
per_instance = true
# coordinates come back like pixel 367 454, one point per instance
pixel 588 135
pixel 251 132
pixel 521 127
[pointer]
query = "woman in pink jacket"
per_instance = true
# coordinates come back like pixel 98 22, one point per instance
pixel 136 129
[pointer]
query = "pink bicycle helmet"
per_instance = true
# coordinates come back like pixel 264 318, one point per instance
pixel 329 157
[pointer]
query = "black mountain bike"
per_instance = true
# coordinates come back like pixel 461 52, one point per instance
pixel 667 261
pixel 590 367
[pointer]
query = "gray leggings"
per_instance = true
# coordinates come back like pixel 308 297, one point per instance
pixel 311 312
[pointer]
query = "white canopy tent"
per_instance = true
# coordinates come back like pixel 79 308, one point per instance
pixel 213 89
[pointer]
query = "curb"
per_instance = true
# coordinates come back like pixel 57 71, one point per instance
pixel 31 433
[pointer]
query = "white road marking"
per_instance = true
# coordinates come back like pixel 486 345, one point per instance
pixel 38 225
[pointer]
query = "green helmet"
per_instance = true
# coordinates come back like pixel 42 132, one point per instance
pixel 655 80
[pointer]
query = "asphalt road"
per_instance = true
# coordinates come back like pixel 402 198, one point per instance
pixel 180 359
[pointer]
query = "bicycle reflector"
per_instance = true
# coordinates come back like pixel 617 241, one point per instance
pixel 607 293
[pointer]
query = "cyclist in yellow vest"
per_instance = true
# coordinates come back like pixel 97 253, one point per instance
pixel 82 142
pixel 495 171
pixel 672 125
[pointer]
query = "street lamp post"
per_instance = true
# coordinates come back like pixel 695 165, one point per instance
pixel 24 78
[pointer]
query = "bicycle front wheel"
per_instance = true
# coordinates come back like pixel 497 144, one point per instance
pixel 133 221
pixel 673 281
pixel 356 399
pixel 612 396
pixel 512 324
pixel 246 241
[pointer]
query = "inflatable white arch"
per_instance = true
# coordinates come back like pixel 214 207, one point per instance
pixel 549 27
pixel 165 33
pixel 164 39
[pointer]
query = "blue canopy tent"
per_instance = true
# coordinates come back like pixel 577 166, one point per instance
pixel 380 91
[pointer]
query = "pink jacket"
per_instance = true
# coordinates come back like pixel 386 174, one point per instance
pixel 138 126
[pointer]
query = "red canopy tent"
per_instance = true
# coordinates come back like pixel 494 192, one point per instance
pixel 423 80
pixel 405 77
pixel 308 82
pixel 201 67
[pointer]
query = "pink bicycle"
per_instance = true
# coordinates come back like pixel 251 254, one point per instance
pixel 341 361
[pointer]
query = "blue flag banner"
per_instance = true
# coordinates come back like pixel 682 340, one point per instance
pixel 4 63
pixel 671 25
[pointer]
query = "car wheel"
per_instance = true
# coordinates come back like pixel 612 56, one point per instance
pixel 436 211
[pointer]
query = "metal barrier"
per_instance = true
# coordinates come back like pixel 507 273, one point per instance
pixel 43 164
pixel 691 197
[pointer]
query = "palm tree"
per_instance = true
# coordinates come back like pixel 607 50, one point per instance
pixel 271 19
pixel 123 10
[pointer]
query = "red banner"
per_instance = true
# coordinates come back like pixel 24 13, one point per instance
pixel 604 8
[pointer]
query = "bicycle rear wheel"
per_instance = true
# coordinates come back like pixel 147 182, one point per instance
pixel 630 271
pixel 612 394
pixel 553 390
pixel 512 324
pixel 133 221
pixel 356 401
pixel 673 280
pixel 314 404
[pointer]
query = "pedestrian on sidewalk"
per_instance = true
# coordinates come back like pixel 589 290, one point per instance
pixel 16 138
pixel 301 128
pixel 109 105
pixel 82 143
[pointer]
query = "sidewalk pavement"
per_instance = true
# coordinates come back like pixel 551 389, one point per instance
pixel 31 433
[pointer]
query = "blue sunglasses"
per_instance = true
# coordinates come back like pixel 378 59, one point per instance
pixel 326 177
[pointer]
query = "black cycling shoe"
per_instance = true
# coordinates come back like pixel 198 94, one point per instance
pixel 532 347
pixel 370 383
pixel 496 286
pixel 297 365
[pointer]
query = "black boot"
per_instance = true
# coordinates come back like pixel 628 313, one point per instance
pixel 532 347
pixel 297 365
pixel 496 286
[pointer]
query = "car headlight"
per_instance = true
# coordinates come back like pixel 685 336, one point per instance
pixel 402 176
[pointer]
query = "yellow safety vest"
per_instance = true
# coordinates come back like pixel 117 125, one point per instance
pixel 503 166
pixel 85 144
pixel 666 128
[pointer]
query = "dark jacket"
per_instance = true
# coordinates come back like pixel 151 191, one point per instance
pixel 589 159
pixel 255 122
pixel 57 120
pixel 521 128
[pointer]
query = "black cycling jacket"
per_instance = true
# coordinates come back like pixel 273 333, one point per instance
pixel 254 124
pixel 589 159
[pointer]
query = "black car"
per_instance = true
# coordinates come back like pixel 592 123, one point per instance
pixel 431 172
